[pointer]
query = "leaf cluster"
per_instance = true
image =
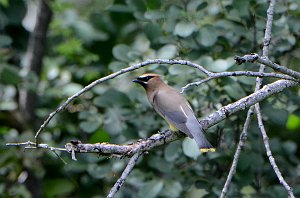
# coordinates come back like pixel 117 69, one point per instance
pixel 89 39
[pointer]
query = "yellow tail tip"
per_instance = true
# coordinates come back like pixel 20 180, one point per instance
pixel 205 150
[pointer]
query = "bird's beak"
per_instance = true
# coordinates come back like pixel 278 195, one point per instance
pixel 136 81
pixel 144 84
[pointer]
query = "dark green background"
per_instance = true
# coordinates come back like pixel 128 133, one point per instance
pixel 90 39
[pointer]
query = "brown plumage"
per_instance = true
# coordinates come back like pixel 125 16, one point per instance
pixel 174 108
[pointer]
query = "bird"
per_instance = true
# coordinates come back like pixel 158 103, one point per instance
pixel 174 108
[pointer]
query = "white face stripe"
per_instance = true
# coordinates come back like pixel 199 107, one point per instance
pixel 145 75
pixel 183 111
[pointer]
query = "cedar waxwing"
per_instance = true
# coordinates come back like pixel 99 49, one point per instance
pixel 174 108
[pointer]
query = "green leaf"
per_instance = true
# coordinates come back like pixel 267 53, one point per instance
pixel 154 15
pixel 207 36
pixel 4 130
pixel 57 187
pixel 9 75
pixel 247 80
pixel 120 8
pixel 142 44
pixel 120 52
pixel 89 126
pixel 5 40
pixel 242 7
pixel 196 193
pixel 276 115
pixel 172 151
pixel 70 47
pixel 206 61
pixel 19 190
pixel 151 189
pixel 152 31
pixel 293 122
pixel 167 52
pixel 184 29
pixel 177 70
pixel 116 66
pixel 153 4
pixel 88 33
pixel 290 147
pixel 190 148
pixel 112 97
pixel 99 136
pixel 160 164
pixel 248 191
pixel 235 91
pixel 71 88
pixel 172 189
pixel 98 171
pixel 4 3
pixel 221 65
pixel 113 122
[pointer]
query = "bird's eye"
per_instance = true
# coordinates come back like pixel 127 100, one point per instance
pixel 145 78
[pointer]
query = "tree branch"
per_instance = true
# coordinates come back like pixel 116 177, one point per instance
pixel 124 175
pixel 236 73
pixel 241 144
pixel 266 61
pixel 269 152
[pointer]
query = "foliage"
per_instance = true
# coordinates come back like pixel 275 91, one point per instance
pixel 89 39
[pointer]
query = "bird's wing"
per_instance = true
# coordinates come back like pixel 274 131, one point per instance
pixel 181 116
pixel 176 115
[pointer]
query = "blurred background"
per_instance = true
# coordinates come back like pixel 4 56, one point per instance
pixel 89 39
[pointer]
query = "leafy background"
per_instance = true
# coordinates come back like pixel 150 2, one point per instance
pixel 90 39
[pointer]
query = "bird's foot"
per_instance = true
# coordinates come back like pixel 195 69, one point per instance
pixel 163 134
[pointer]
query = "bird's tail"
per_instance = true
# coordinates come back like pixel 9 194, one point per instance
pixel 202 142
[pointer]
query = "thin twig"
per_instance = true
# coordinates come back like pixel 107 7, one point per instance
pixel 237 73
pixel 124 175
pixel 243 138
pixel 269 152
pixel 57 155
pixel 246 102
pixel 32 145
pixel 267 62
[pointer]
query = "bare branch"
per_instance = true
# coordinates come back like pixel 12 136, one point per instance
pixel 243 138
pixel 32 145
pixel 269 152
pixel 237 73
pixel 246 102
pixel 124 175
pixel 127 150
pixel 268 31
pixel 266 61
